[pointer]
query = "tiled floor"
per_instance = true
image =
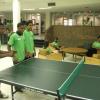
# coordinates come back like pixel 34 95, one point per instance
pixel 27 95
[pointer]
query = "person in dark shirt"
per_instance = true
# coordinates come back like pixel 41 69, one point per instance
pixel 3 54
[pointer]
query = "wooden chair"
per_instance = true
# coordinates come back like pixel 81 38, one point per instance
pixel 42 54
pixel 96 56
pixel 98 51
pixel 55 56
pixel 92 60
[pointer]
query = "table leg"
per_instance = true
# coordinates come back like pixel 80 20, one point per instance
pixel 63 54
pixel 74 57
pixel 12 92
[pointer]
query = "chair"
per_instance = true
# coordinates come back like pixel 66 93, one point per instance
pixel 92 60
pixel 96 56
pixel 42 53
pixel 98 51
pixel 55 56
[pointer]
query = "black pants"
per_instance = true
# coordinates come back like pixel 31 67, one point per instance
pixel 91 51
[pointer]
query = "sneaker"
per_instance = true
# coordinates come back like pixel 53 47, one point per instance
pixel 3 96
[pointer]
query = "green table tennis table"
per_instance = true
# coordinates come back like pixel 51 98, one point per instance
pixel 61 79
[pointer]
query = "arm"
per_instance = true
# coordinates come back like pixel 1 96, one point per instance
pixel 34 45
pixel 5 54
pixel 34 50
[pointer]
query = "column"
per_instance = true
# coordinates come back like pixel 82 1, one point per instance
pixel 48 20
pixel 16 14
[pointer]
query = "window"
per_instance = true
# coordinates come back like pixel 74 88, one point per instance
pixel 70 22
pixel 65 22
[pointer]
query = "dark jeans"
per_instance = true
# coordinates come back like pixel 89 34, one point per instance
pixel 91 51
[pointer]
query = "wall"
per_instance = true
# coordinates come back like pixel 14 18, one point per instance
pixel 73 36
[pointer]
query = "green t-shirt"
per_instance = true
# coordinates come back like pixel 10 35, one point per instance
pixel 48 50
pixel 18 46
pixel 55 44
pixel 96 45
pixel 29 41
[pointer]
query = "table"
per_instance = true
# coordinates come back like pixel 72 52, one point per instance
pixel 75 51
pixel 86 85
pixel 47 76
pixel 42 75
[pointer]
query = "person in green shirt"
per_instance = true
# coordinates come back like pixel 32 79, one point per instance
pixel 55 43
pixel 96 44
pixel 47 48
pixel 16 44
pixel 29 40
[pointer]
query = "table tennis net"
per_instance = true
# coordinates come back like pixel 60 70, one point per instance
pixel 62 90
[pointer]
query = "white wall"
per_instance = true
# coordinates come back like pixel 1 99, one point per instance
pixel 97 21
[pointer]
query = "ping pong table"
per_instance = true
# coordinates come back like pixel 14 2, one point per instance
pixel 82 80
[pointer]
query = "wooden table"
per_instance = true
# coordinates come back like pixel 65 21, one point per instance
pixel 75 51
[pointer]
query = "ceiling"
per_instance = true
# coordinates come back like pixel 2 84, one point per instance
pixel 61 5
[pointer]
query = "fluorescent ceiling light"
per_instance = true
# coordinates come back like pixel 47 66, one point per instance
pixel 45 8
pixel 28 9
